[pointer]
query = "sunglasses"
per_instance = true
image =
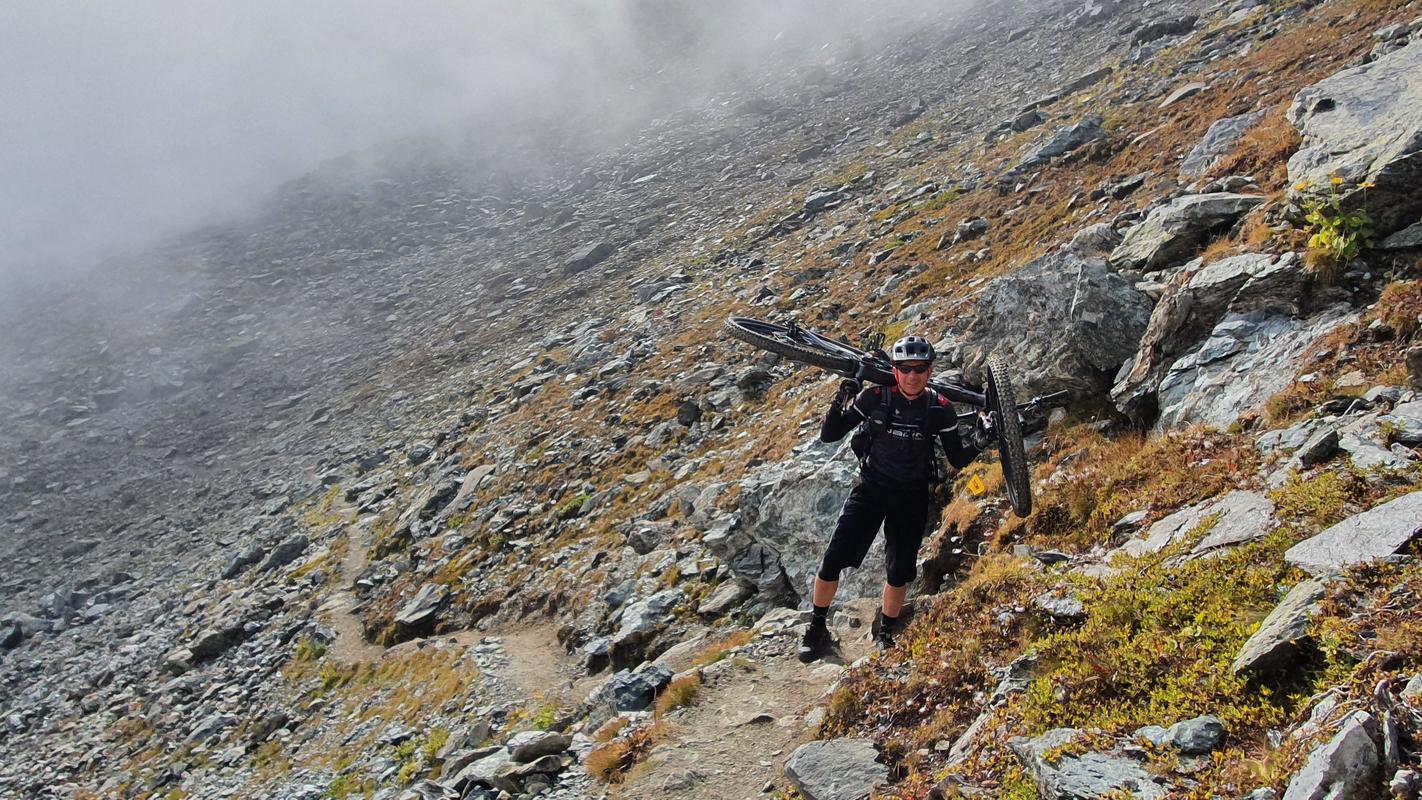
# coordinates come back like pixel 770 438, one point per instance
pixel 919 370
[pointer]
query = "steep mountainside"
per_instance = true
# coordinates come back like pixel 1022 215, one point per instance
pixel 440 478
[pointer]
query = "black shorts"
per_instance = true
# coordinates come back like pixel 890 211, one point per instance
pixel 903 511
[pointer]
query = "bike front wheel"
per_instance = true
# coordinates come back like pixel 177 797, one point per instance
pixel 1002 404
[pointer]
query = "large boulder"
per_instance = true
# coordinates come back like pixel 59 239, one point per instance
pixel 419 614
pixel 1062 321
pixel 532 745
pixel 286 552
pixel 1061 142
pixel 788 510
pixel 491 772
pixel 237 564
pixel 587 257
pixel 1364 125
pixel 1246 360
pixel 625 691
pixel 838 769
pixel 1172 232
pixel 1173 26
pixel 640 622
pixel 1193 303
pixel 1371 535
pixel 1278 638
pixel 10 636
pixel 213 642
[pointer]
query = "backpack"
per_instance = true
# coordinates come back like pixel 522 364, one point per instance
pixel 877 421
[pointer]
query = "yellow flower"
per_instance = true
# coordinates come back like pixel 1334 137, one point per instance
pixel 1300 186
pixel 1369 185
pixel 1337 181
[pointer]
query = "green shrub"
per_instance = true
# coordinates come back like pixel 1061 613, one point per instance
pixel 1158 641
pixel 1336 234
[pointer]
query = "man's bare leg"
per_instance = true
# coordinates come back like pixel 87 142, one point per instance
pixel 824 592
pixel 893 599
pixel 893 605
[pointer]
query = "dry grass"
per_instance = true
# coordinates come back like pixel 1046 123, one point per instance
pixel 1107 478
pixel 959 515
pixel 1400 307
pixel 678 694
pixel 611 762
pixel 722 647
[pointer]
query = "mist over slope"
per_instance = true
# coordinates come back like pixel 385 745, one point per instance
pixel 125 125
pixel 434 475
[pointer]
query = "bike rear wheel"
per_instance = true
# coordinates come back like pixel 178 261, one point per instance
pixel 1002 403
pixel 813 349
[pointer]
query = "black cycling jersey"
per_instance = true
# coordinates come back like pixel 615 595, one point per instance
pixel 900 454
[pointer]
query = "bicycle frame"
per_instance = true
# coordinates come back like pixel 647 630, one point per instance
pixel 874 367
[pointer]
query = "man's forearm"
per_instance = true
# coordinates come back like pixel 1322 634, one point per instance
pixel 959 454
pixel 837 422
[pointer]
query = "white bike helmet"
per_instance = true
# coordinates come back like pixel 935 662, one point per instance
pixel 912 348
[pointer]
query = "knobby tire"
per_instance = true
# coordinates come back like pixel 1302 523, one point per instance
pixel 1003 403
pixel 739 328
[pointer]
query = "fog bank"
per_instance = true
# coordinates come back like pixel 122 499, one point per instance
pixel 124 122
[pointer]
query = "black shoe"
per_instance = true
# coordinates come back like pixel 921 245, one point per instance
pixel 814 643
pixel 885 633
pixel 883 640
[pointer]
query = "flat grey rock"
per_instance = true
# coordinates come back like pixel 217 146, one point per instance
pixel 1373 534
pixel 1171 232
pixel 1218 140
pixel 1364 124
pixel 1242 516
pixel 1082 776
pixel 838 769
pixel 1282 630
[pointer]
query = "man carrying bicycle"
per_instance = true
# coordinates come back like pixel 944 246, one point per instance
pixel 898 465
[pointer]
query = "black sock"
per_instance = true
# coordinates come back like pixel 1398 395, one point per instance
pixel 819 614
pixel 887 623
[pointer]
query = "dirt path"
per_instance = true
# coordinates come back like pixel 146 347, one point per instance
pixel 527 660
pixel 732 742
pixel 339 609
pixel 539 666
pixel 748 718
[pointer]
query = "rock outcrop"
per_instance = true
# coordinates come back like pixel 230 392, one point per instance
pixel 1364 125
pixel 1347 768
pixel 1171 233
pixel 1222 339
pixel 1062 321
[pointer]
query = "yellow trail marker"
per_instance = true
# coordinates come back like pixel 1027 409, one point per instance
pixel 976 486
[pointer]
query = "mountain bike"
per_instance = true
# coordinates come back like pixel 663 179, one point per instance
pixel 994 410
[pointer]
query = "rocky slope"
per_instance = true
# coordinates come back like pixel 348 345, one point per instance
pixel 431 481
